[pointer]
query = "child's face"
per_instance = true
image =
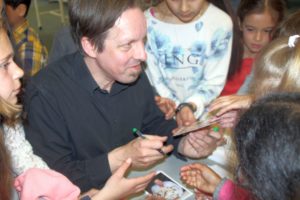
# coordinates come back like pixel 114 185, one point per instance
pixel 186 10
pixel 15 16
pixel 10 73
pixel 11 14
pixel 257 29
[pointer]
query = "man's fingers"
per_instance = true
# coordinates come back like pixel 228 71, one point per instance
pixel 215 135
pixel 155 137
pixel 167 149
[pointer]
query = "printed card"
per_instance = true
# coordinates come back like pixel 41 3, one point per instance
pixel 164 186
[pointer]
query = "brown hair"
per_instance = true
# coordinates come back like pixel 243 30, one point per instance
pixel 237 46
pixel 93 19
pixel 277 68
pixel 276 7
pixel 290 26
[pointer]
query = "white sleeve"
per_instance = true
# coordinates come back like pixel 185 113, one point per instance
pixel 215 74
pixel 155 77
pixel 20 149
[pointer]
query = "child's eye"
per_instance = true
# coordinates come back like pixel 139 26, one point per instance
pixel 5 65
pixel 268 30
pixel 249 29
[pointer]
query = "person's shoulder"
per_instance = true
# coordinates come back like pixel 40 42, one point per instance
pixel 64 35
pixel 147 12
pixel 219 16
pixel 55 72
pixel 150 16
pixel 31 34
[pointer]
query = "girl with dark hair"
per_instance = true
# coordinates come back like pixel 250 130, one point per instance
pixel 267 140
pixel 236 103
pixel 257 20
pixel 277 70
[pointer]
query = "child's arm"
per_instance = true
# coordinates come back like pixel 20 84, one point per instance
pixel 227 108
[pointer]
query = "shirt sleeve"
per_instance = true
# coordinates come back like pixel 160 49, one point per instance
pixel 49 135
pixel 21 152
pixel 227 190
pixel 215 73
pixel 155 77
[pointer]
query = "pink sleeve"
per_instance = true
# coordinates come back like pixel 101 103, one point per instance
pixel 35 183
pixel 227 190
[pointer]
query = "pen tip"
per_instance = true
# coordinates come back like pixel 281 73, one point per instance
pixel 134 130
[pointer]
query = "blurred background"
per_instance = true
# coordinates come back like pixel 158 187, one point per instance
pixel 48 16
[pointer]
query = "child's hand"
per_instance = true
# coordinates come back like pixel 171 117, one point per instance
pixel 200 177
pixel 185 117
pixel 228 119
pixel 119 187
pixel 167 106
pixel 232 102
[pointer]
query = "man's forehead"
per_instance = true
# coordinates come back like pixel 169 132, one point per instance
pixel 127 24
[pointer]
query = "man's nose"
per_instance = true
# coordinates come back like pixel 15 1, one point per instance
pixel 140 52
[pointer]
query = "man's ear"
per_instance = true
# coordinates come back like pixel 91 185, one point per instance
pixel 88 47
pixel 21 10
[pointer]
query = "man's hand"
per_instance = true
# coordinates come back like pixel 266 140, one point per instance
pixel 200 143
pixel 185 117
pixel 166 105
pixel 200 177
pixel 119 187
pixel 143 152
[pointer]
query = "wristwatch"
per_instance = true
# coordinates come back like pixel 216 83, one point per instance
pixel 180 106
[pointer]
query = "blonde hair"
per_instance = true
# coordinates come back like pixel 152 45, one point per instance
pixel 5 166
pixel 277 68
pixel 290 26
pixel 10 113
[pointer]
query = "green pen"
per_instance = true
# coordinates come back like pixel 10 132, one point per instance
pixel 216 129
pixel 141 135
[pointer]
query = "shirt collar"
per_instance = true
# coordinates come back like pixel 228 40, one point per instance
pixel 22 28
pixel 85 78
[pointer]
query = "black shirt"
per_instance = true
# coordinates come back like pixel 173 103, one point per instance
pixel 73 124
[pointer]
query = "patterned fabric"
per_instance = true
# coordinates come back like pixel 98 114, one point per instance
pixel 189 62
pixel 21 153
pixel 32 52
